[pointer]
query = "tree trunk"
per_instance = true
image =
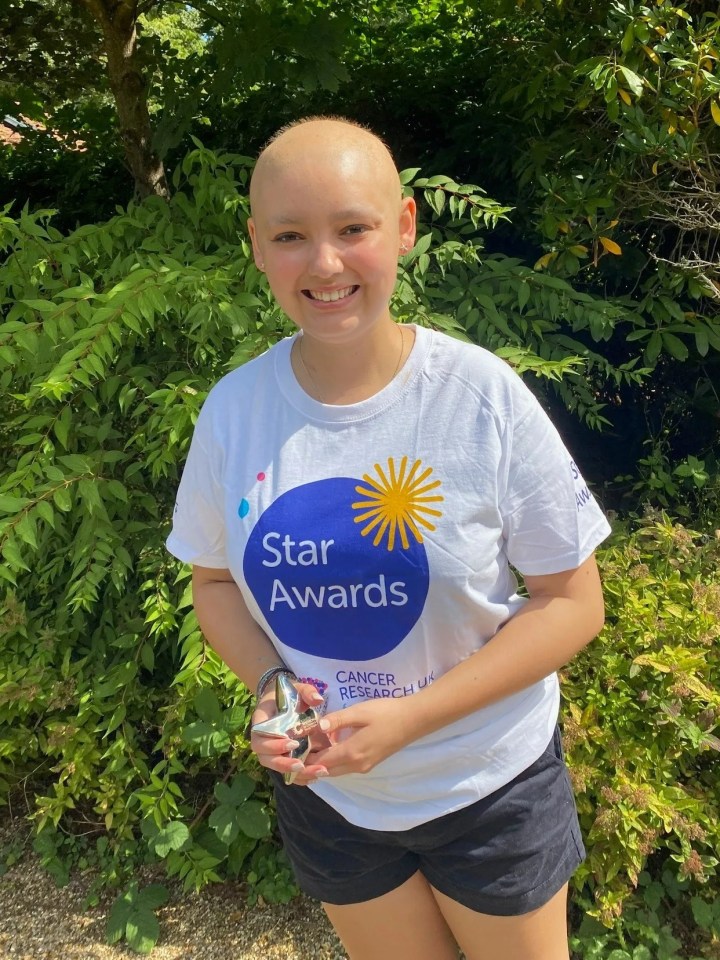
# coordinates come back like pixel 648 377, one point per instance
pixel 118 21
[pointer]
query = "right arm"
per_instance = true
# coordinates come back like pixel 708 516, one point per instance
pixel 228 626
pixel 243 646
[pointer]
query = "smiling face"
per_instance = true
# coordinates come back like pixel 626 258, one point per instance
pixel 327 225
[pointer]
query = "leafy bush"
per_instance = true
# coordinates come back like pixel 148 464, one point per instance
pixel 641 714
pixel 120 724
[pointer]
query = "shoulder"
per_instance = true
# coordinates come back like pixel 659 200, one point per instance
pixel 241 385
pixel 480 374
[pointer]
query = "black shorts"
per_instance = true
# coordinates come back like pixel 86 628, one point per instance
pixel 505 855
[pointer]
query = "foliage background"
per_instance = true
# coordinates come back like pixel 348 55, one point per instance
pixel 594 271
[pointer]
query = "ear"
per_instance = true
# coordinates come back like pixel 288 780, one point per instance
pixel 407 224
pixel 257 255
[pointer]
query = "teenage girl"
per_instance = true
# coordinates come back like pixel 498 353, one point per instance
pixel 353 505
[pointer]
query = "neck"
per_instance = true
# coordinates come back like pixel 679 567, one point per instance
pixel 349 373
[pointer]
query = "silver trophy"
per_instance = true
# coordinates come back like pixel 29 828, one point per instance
pixel 290 720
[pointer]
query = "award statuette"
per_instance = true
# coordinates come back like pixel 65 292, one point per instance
pixel 290 720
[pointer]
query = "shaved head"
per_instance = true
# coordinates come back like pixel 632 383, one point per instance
pixel 329 220
pixel 301 147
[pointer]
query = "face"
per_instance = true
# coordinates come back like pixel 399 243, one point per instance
pixel 327 231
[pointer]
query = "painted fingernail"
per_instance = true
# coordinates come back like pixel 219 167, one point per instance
pixel 297 767
pixel 322 773
pixel 291 745
pixel 324 724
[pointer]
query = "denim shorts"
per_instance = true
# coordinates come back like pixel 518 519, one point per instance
pixel 504 855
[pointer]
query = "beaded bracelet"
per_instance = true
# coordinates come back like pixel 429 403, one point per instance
pixel 269 675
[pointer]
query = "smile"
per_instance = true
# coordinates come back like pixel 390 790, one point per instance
pixel 330 296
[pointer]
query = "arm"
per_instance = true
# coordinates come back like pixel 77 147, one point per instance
pixel 239 641
pixel 565 611
pixel 228 627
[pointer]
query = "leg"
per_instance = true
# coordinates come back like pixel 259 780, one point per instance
pixel 405 924
pixel 539 935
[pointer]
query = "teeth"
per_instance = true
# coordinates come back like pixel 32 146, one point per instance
pixel 329 295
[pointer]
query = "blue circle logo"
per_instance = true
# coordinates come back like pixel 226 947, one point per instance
pixel 339 567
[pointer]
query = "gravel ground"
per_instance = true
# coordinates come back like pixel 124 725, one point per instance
pixel 38 921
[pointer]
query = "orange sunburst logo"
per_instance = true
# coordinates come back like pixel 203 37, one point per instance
pixel 397 503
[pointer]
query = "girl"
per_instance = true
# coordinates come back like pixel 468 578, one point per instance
pixel 352 504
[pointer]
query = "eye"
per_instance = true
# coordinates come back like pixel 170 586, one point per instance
pixel 286 237
pixel 355 229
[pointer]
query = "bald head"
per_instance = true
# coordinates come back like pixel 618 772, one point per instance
pixel 303 147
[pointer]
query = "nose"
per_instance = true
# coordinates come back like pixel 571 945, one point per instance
pixel 325 260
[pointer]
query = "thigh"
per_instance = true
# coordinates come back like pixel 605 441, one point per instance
pixel 405 924
pixel 333 860
pixel 511 852
pixel 540 934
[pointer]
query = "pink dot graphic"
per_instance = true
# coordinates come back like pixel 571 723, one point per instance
pixel 261 476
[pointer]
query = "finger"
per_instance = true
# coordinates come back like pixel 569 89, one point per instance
pixel 311 774
pixel 283 765
pixel 264 709
pixel 273 746
pixel 345 757
pixel 310 694
pixel 333 723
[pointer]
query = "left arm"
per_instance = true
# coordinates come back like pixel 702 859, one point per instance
pixel 565 611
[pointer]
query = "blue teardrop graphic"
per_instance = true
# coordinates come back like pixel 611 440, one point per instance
pixel 244 508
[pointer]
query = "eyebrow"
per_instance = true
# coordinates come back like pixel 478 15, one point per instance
pixel 352 213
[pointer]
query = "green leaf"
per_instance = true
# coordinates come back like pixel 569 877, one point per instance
pixel 702 342
pixel 45 511
pixel 120 914
pixel 422 245
pixel 437 181
pixel 675 346
pixel 174 836
pixel 653 895
pixel 654 346
pixel 117 718
pixel 633 81
pixel 142 931
pixel 12 504
pixel 13 556
pixel 147 656
pixel 523 295
pixel 407 175
pixel 234 719
pixel 207 706
pixel 62 426
pixel 206 738
pixel 62 499
pixel 241 787
pixel 224 821
pixel 152 896
pixel 628 38
pixel 254 820
pixel 702 913
pixel 26 529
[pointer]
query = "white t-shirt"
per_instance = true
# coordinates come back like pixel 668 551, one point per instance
pixel 372 543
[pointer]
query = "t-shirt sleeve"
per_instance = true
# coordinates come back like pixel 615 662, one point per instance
pixel 198 531
pixel 551 521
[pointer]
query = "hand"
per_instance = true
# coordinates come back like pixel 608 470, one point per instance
pixel 272 752
pixel 365 734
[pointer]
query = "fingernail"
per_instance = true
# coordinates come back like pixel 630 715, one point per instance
pixel 322 773
pixel 297 767
pixel 324 724
pixel 316 697
pixel 291 745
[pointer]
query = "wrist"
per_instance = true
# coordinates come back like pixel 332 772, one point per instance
pixel 420 719
pixel 269 677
